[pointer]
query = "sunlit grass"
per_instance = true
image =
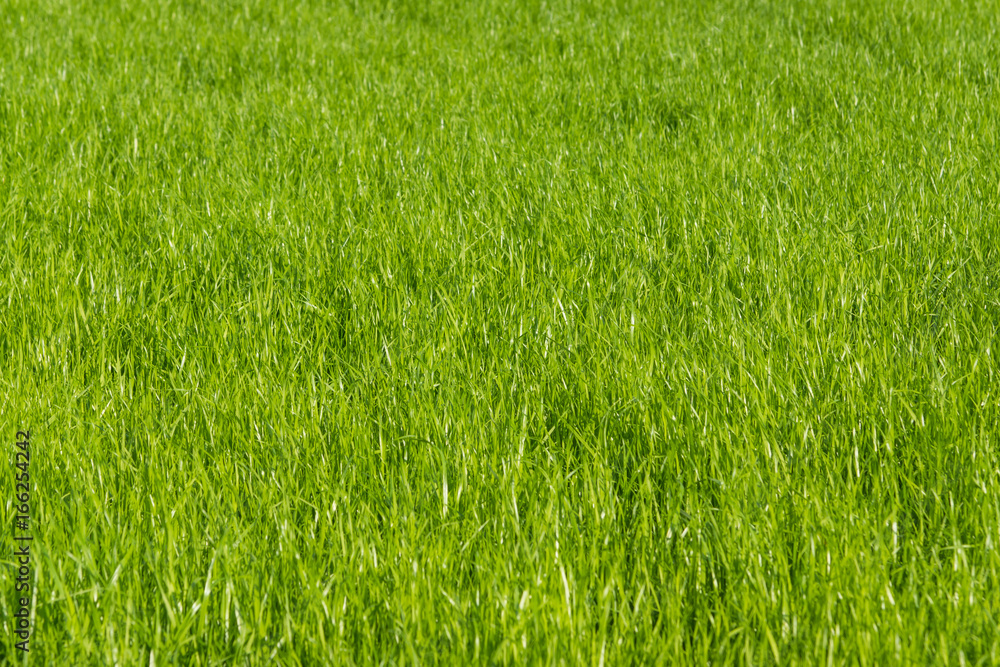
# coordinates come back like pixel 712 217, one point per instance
pixel 634 333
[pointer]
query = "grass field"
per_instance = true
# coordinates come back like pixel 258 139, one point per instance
pixel 502 332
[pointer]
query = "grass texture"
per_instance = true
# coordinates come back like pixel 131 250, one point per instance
pixel 503 332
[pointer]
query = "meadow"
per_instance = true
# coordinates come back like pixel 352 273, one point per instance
pixel 502 332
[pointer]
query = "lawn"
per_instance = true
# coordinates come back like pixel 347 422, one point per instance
pixel 522 332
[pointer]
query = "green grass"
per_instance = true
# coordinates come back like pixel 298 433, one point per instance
pixel 503 332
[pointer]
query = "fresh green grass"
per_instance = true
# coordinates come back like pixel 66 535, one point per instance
pixel 503 332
